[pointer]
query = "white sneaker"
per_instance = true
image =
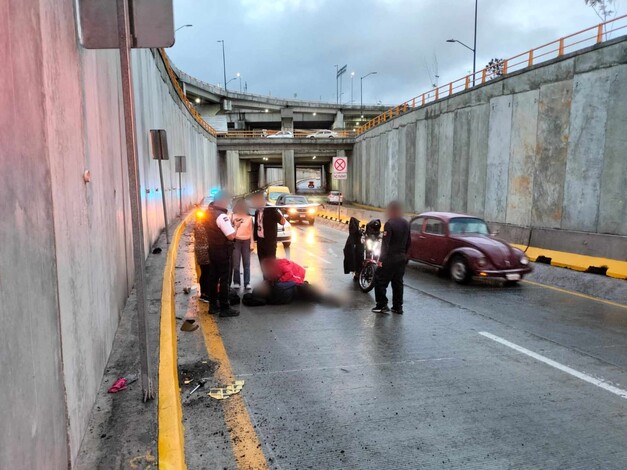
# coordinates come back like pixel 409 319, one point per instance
pixel 236 286
pixel 249 287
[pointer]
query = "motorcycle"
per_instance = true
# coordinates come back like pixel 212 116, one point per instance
pixel 371 239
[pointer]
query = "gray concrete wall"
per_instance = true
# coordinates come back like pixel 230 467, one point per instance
pixel 541 148
pixel 66 254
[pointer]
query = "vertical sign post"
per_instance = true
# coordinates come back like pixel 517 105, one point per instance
pixel 159 147
pixel 340 172
pixel 180 168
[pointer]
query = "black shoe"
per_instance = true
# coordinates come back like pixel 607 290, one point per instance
pixel 383 309
pixel 213 309
pixel 230 312
pixel 398 311
pixel 203 298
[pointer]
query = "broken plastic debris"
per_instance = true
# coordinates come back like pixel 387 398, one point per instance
pixel 221 393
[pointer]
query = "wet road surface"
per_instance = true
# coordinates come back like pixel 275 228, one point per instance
pixel 476 376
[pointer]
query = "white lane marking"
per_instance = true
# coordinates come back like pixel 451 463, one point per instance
pixel 350 366
pixel 575 373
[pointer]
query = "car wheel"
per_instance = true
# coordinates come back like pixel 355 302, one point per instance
pixel 459 270
pixel 311 221
pixel 286 244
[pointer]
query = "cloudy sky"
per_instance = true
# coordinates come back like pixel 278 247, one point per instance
pixel 290 47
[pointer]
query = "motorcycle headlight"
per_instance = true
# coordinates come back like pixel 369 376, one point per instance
pixel 524 260
pixel 369 245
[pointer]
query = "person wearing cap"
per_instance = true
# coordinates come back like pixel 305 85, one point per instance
pixel 220 235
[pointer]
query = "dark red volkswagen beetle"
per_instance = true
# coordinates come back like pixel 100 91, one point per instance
pixel 463 245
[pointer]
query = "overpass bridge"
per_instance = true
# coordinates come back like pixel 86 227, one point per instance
pixel 248 111
pixel 539 151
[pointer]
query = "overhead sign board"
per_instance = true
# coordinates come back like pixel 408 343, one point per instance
pixel 340 168
pixel 341 71
pixel 152 23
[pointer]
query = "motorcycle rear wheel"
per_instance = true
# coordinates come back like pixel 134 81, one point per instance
pixel 366 277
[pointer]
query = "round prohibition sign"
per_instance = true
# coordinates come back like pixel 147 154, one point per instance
pixel 340 164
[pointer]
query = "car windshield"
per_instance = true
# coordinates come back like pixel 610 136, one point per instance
pixel 274 196
pixel 295 200
pixel 467 225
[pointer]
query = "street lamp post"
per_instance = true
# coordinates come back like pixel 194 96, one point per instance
pixel 361 90
pixel 223 63
pixel 234 78
pixel 184 26
pixel 474 48
pixel 352 77
pixel 239 75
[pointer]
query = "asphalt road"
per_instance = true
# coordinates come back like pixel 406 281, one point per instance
pixel 478 376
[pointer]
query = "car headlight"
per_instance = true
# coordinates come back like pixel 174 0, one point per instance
pixel 292 210
pixel 311 210
pixel 524 260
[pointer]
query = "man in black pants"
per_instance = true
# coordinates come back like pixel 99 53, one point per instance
pixel 265 230
pixel 396 241
pixel 220 235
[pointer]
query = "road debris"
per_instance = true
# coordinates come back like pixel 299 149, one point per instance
pixel 221 393
pixel 122 383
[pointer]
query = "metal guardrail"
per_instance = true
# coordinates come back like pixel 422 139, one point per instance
pixel 179 91
pixel 552 50
pixel 260 134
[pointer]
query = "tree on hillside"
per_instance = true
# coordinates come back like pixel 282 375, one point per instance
pixel 603 8
pixel 495 68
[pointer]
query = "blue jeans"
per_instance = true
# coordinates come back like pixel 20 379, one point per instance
pixel 241 255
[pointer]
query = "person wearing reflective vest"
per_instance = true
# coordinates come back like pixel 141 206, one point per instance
pixel 220 234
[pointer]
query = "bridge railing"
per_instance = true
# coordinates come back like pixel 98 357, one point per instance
pixel 179 91
pixel 262 133
pixel 552 50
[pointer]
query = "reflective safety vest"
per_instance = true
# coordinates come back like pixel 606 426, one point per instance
pixel 215 236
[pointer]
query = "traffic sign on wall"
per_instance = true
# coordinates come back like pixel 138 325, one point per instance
pixel 340 168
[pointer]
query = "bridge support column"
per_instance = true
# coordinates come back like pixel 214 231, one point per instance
pixel 339 120
pixel 289 170
pixel 236 173
pixel 261 182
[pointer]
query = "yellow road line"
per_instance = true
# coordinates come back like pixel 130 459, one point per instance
pixel 170 441
pixel 246 445
pixel 566 291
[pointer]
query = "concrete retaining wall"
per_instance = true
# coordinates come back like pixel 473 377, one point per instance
pixel 66 265
pixel 541 148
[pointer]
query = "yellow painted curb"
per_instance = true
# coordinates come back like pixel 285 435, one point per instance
pixel 577 262
pixel 170 441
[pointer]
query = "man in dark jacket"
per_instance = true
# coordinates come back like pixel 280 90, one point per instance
pixel 396 241
pixel 220 235
pixel 265 231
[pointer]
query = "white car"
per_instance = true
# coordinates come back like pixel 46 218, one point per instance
pixel 282 135
pixel 284 234
pixel 335 197
pixel 323 134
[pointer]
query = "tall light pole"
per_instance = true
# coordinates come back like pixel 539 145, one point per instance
pixel 184 26
pixel 474 48
pixel 234 78
pixel 352 77
pixel 337 84
pixel 361 90
pixel 239 75
pixel 223 62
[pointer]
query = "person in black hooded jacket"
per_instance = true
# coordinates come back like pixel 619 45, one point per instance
pixel 353 249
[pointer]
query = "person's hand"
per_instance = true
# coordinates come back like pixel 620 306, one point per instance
pixel 252 247
pixel 379 264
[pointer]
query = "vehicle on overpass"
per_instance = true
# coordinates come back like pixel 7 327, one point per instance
pixel 463 246
pixel 273 192
pixel 297 208
pixel 281 135
pixel 323 134
pixel 335 197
